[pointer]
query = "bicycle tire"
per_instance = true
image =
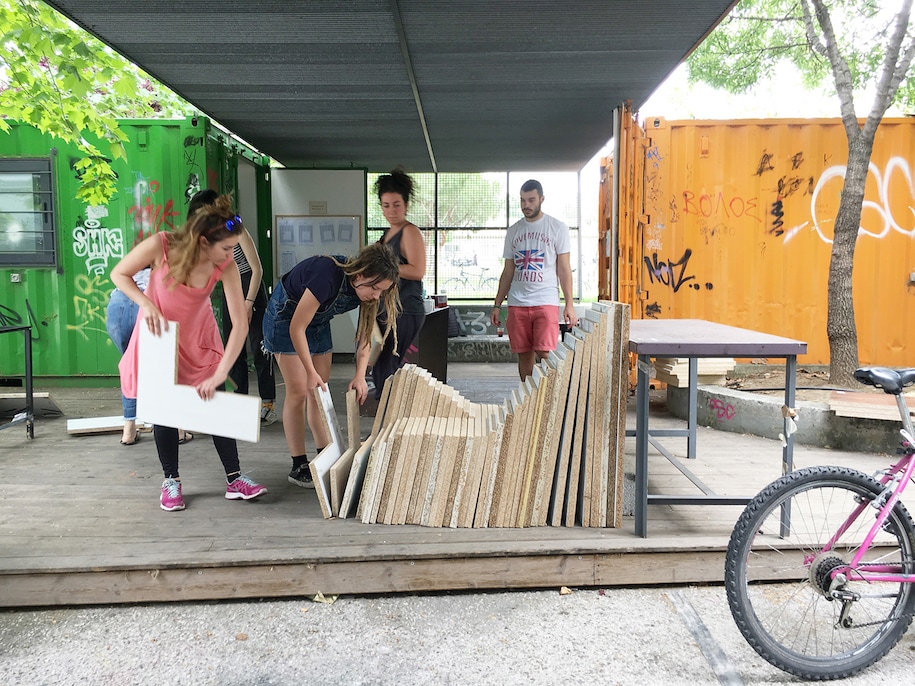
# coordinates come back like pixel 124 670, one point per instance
pixel 772 581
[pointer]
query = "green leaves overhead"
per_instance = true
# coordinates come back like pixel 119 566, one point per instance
pixel 65 82
pixel 762 38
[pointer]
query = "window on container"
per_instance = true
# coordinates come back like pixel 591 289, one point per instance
pixel 27 230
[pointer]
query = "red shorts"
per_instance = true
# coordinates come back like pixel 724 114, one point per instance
pixel 533 328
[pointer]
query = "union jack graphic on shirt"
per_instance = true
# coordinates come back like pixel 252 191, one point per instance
pixel 531 260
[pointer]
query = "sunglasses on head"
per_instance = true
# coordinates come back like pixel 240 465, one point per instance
pixel 233 223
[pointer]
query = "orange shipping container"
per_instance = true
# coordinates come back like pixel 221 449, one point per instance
pixel 736 227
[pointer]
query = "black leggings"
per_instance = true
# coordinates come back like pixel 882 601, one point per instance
pixel 408 326
pixel 167 447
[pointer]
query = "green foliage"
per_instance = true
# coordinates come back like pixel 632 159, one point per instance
pixel 65 82
pixel 464 200
pixel 761 38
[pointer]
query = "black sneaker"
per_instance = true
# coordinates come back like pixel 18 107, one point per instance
pixel 301 476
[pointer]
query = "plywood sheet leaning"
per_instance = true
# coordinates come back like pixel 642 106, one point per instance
pixel 339 472
pixel 618 391
pixel 367 509
pixel 320 466
pixel 500 479
pixel 598 391
pixel 560 365
pixel 490 468
pixel 360 459
pixel 161 400
pixel 425 488
pixel 580 431
pixel 530 468
pixel 575 347
pixel 516 456
pixel 480 436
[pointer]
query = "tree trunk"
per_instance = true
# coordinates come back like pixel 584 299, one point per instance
pixel 840 319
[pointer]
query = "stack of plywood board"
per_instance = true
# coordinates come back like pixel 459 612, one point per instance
pixel 867 405
pixel 674 371
pixel 552 453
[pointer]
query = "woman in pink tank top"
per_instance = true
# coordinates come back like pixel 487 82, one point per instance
pixel 187 265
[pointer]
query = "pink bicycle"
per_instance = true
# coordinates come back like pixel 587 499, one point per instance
pixel 820 567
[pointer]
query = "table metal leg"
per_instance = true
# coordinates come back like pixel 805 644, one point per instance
pixel 641 446
pixel 693 400
pixel 788 447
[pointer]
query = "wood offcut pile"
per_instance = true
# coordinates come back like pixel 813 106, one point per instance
pixel 674 371
pixel 552 453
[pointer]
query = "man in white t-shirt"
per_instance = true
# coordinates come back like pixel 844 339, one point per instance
pixel 537 264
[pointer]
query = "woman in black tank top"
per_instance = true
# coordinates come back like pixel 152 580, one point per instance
pixel 395 191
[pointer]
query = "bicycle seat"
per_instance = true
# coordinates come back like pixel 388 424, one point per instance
pixel 890 380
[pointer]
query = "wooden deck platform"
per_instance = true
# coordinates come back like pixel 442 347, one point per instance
pixel 80 521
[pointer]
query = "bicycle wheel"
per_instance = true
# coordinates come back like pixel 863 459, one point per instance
pixel 778 581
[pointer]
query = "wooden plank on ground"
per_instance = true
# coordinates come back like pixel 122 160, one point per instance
pixel 100 425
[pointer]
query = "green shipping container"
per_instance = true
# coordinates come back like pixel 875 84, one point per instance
pixel 60 284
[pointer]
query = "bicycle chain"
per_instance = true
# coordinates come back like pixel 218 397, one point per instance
pixel 908 614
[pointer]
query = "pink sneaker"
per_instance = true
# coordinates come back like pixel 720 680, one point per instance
pixel 171 499
pixel 244 488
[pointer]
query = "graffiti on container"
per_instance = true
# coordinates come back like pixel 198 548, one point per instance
pixel 722 410
pixel 672 274
pixel 150 215
pixel 778 212
pixel 654 156
pixel 719 230
pixel 717 204
pixel 90 303
pixel 652 310
pixel 888 220
pixel 790 185
pixel 797 159
pixel 98 245
pixel 674 210
pixel 765 164
pixel 10 317
pixel 191 186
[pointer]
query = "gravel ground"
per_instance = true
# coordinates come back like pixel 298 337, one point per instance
pixel 665 636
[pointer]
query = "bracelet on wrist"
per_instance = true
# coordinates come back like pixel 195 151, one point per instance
pixel 249 300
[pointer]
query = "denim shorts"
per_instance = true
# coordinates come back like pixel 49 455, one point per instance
pixel 277 318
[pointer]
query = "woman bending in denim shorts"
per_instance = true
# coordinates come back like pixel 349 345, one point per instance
pixel 297 333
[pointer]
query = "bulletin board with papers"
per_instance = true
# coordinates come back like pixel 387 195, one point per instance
pixel 298 236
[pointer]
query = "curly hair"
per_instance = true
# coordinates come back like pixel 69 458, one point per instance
pixel 376 262
pixel 398 181
pixel 214 220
